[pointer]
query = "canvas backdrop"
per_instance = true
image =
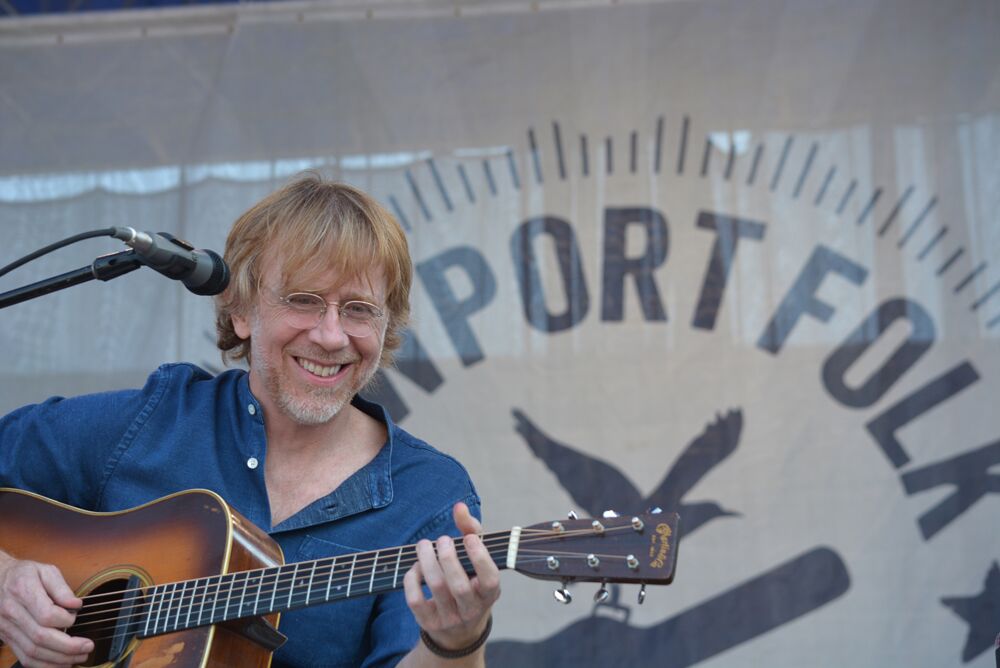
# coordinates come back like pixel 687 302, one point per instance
pixel 735 259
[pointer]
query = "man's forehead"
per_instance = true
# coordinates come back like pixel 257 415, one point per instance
pixel 370 281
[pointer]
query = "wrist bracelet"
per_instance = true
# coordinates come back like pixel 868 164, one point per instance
pixel 456 653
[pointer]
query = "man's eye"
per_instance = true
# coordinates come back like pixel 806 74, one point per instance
pixel 359 310
pixel 304 301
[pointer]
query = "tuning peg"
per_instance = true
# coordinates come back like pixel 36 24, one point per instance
pixel 602 594
pixel 642 594
pixel 608 514
pixel 572 515
pixel 655 510
pixel 562 594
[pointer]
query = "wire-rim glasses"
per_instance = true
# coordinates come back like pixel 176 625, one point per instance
pixel 305 310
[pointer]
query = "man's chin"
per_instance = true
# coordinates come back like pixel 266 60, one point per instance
pixel 313 412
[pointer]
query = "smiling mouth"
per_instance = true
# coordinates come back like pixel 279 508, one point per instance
pixel 320 370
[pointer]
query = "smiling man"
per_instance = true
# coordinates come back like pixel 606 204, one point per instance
pixel 317 302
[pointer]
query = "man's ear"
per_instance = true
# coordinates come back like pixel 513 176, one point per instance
pixel 241 325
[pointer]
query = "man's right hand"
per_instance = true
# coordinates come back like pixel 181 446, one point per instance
pixel 35 604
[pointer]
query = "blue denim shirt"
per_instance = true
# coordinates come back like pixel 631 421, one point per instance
pixel 188 429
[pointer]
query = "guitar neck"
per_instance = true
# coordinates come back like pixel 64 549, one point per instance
pixel 639 550
pixel 183 605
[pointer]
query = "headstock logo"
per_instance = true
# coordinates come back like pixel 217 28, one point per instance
pixel 659 546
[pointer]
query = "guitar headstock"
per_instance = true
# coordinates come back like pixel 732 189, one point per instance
pixel 631 549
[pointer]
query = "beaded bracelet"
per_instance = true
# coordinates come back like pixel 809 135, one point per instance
pixel 457 653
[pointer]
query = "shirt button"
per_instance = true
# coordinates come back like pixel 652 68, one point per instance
pixel 251 409
pixel 252 463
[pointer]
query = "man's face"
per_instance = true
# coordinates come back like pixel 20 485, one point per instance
pixel 309 375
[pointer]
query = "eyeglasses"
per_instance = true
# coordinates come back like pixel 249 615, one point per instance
pixel 304 310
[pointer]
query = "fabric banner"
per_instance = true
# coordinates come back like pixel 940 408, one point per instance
pixel 733 259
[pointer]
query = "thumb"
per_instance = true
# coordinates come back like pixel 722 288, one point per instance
pixel 464 520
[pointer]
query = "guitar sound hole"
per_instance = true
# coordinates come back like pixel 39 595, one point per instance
pixel 110 617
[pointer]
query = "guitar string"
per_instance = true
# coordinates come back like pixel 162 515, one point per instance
pixel 113 622
pixel 489 540
pixel 497 539
pixel 275 577
pixel 278 579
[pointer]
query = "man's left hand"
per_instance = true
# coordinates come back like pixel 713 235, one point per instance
pixel 457 612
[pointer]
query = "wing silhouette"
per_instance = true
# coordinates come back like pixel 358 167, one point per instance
pixel 596 485
pixel 718 440
pixel 593 484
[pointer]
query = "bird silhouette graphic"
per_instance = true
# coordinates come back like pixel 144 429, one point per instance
pixel 597 485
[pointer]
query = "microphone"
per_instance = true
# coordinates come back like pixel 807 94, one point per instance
pixel 202 272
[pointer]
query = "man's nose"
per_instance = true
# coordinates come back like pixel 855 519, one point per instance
pixel 329 332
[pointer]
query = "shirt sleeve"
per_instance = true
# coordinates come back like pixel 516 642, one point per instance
pixel 63 448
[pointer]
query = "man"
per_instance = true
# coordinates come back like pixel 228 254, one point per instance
pixel 317 302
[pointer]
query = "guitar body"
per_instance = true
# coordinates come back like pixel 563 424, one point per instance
pixel 185 536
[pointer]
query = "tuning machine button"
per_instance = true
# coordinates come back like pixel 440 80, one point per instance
pixel 562 594
pixel 602 594
pixel 572 515
pixel 609 514
pixel 642 594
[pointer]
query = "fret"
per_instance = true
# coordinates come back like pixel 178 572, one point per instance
pixel 371 582
pixel 312 573
pixel 395 574
pixel 204 598
pixel 164 610
pixel 171 597
pixel 243 594
pixel 194 594
pixel 231 582
pixel 180 604
pixel 150 615
pixel 350 577
pixel 274 587
pixel 215 598
pixel 160 612
pixel 176 605
pixel 260 588
pixel 329 581
pixel 291 588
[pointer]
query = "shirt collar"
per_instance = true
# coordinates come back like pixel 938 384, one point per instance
pixel 368 488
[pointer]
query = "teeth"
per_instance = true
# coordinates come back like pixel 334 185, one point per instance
pixel 316 369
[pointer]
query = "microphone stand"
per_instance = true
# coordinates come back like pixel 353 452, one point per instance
pixel 103 268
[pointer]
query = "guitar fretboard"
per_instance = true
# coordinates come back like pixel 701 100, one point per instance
pixel 184 605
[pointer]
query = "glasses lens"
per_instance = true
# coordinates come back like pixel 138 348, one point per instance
pixel 359 318
pixel 304 310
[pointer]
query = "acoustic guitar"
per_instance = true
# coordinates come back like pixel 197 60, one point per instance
pixel 187 582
